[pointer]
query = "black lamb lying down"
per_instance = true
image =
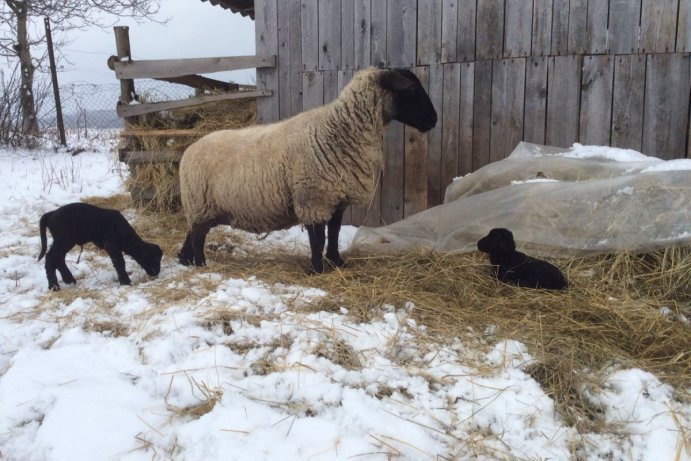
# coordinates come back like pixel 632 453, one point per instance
pixel 79 223
pixel 517 268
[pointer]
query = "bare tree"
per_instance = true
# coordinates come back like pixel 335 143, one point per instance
pixel 22 38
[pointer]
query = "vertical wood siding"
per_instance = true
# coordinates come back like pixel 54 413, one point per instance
pixel 607 72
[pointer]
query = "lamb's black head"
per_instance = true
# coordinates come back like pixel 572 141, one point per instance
pixel 410 103
pixel 497 241
pixel 150 258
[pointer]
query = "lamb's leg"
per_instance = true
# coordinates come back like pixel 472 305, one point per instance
pixel 316 233
pixel 186 255
pixel 334 228
pixel 65 273
pixel 53 260
pixel 115 252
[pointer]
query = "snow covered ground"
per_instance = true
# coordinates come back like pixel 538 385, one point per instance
pixel 104 372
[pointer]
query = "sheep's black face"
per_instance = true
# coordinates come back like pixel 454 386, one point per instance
pixel 150 259
pixel 497 241
pixel 411 103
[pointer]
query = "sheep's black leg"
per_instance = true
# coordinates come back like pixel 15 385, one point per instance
pixel 197 238
pixel 334 228
pixel 115 252
pixel 316 233
pixel 53 260
pixel 65 273
pixel 186 255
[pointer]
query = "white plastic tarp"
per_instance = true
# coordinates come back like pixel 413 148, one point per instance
pixel 557 202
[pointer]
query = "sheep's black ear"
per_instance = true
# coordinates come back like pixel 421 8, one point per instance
pixel 503 240
pixel 397 79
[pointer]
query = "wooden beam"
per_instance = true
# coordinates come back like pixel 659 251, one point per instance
pixel 165 68
pixel 138 157
pixel 141 109
pixel 204 83
pixel 161 133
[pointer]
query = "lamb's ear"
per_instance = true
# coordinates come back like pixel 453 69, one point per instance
pixel 505 243
pixel 396 80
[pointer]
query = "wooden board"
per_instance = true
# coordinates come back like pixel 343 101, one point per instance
pixel 295 41
pixel 415 153
pixel 535 100
pixel 623 26
pixel 378 34
pixel 666 105
pixel 683 43
pixel 428 32
pixel 167 68
pixel 331 88
pixel 508 97
pixel 284 61
pixel 141 109
pixel 564 83
pixel 309 22
pixel 489 29
pixel 451 111
pixel 329 35
pixel 596 100
pixel 392 185
pixel 361 34
pixel 560 27
pixel 518 29
pixel 465 33
pixel 465 135
pixel 312 89
pixel 578 20
pixel 627 101
pixel 434 138
pixel 266 39
pixel 542 28
pixel 658 26
pixel 482 104
pixel 347 34
pixel 449 30
pixel 401 33
pixel 596 28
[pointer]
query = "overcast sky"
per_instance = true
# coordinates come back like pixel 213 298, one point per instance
pixel 195 29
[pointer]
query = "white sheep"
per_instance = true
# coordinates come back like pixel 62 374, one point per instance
pixel 306 169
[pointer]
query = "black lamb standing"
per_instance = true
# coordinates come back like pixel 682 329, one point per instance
pixel 517 268
pixel 79 223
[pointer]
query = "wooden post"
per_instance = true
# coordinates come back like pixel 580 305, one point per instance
pixel 56 88
pixel 122 44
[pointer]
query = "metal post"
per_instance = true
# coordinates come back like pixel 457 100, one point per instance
pixel 54 78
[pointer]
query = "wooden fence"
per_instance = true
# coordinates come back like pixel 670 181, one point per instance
pixel 607 72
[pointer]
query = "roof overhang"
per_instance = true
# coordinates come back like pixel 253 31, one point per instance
pixel 244 7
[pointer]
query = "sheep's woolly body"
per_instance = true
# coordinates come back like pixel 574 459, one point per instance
pixel 270 177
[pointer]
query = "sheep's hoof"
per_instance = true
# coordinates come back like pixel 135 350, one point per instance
pixel 184 259
pixel 315 269
pixel 337 263
pixel 53 287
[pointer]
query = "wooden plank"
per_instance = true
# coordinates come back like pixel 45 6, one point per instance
pixel 489 29
pixel 627 101
pixel 666 106
pixel 465 34
pixel 309 22
pixel 596 27
pixel 312 89
pixel 141 109
pixel 201 82
pixel 361 34
pixel 683 43
pixel 164 68
pixel 658 26
pixel 560 27
pixel 284 60
pixel 162 133
pixel 596 100
pixel 578 21
pixel 482 104
pixel 329 35
pixel 415 169
pixel 508 98
pixel 378 34
pixel 434 138
pixel 401 33
pixel 347 34
pixel 542 28
pixel 295 47
pixel 465 135
pixel 449 30
pixel 624 18
pixel 564 83
pixel 392 185
pixel 330 85
pixel 518 32
pixel 429 32
pixel 266 40
pixel 451 112
pixel 140 157
pixel 535 100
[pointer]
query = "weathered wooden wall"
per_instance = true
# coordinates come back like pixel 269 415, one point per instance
pixel 608 72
